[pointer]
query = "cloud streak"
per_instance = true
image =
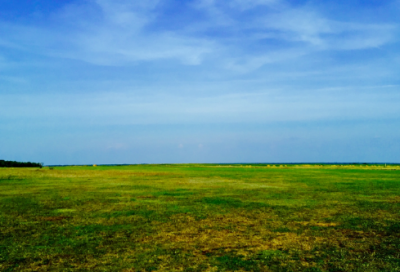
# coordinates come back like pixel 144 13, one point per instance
pixel 343 103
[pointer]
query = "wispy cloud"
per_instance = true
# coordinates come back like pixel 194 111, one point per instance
pixel 119 36
pixel 308 26
pixel 302 30
pixel 119 32
pixel 113 34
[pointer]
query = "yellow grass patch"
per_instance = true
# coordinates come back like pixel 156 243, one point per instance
pixel 228 233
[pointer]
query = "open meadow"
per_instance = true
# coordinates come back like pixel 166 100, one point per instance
pixel 200 218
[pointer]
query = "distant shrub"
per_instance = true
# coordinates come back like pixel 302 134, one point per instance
pixel 4 163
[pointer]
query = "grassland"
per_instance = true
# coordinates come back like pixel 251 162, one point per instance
pixel 200 218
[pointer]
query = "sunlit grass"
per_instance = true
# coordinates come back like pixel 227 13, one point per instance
pixel 201 218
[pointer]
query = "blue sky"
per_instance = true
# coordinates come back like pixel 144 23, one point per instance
pixel 167 81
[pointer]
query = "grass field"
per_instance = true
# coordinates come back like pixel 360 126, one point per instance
pixel 200 218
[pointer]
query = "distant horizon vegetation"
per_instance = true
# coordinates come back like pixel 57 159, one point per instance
pixel 4 163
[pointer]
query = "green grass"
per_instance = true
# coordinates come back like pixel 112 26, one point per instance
pixel 200 218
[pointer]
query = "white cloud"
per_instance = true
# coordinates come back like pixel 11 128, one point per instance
pixel 119 37
pixel 304 30
pixel 132 14
pixel 299 24
pixel 107 33
pixel 360 36
pixel 244 64
pixel 119 32
pixel 308 26
pixel 217 17
pixel 110 46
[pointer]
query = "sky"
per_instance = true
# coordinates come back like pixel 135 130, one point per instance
pixel 199 81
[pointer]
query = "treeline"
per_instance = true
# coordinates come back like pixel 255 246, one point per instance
pixel 4 163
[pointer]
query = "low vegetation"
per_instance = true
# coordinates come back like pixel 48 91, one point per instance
pixel 200 218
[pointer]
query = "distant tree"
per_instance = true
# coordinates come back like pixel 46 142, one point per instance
pixel 4 163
